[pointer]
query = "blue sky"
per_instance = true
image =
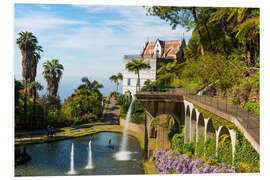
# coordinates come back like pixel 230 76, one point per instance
pixel 88 40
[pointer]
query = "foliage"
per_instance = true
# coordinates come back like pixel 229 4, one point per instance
pixel 136 65
pixel 225 149
pixel 188 148
pixel 252 106
pixel 246 157
pixel 200 147
pixel 169 162
pixel 116 78
pixel 224 48
pixel 114 94
pixel 235 101
pixel 210 147
pixel 87 118
pixel 149 86
pixel 52 72
pixel 85 103
pixel 172 127
pixel 138 113
pixel 124 102
pixel 178 141
pixel 217 121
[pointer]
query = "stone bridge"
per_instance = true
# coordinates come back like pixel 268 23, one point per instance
pixel 181 106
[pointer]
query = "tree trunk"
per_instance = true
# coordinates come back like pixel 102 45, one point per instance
pixel 199 32
pixel 208 34
pixel 34 107
pixel 139 81
pixel 117 84
pixel 25 102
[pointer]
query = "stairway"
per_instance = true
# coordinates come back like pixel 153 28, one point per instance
pixel 111 115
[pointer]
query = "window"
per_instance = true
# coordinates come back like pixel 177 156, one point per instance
pixel 128 81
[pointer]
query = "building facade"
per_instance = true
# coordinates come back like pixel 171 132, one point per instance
pixel 153 53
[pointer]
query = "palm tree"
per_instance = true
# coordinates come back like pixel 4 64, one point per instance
pixel 37 86
pixel 135 66
pixel 93 86
pixel 116 78
pixel 52 72
pixel 36 59
pixel 27 43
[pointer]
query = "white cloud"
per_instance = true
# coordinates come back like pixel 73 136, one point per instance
pixel 93 50
pixel 38 22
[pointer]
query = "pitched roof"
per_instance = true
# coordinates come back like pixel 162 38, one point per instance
pixel 168 48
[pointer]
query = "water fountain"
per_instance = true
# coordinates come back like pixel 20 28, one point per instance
pixel 72 171
pixel 90 164
pixel 123 154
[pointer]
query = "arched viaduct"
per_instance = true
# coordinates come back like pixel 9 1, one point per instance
pixel 182 109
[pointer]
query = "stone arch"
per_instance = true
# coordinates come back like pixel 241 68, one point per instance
pixel 187 123
pixel 220 138
pixel 162 141
pixel 209 129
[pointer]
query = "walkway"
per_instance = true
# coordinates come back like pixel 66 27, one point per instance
pixel 111 114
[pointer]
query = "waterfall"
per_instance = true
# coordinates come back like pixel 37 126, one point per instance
pixel 123 154
pixel 89 165
pixel 72 171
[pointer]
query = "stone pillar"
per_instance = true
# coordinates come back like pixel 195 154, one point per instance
pixel 217 137
pixel 205 129
pixel 197 125
pixel 233 140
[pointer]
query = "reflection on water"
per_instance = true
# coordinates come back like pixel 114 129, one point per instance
pixel 54 158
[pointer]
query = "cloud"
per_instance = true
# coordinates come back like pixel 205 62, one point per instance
pixel 92 48
pixel 39 22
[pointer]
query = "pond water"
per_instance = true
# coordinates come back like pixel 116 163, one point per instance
pixel 53 159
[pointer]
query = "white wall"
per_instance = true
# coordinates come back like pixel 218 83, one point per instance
pixel 144 75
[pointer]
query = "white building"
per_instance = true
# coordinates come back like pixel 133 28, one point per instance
pixel 153 53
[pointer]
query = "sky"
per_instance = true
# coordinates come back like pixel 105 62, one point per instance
pixel 89 40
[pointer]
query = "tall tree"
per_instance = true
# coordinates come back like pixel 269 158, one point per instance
pixel 92 86
pixel 27 43
pixel 38 87
pixel 136 65
pixel 116 78
pixel 52 72
pixel 184 16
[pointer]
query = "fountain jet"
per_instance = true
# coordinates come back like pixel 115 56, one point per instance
pixel 90 164
pixel 123 154
pixel 72 171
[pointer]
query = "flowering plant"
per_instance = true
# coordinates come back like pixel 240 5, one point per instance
pixel 169 162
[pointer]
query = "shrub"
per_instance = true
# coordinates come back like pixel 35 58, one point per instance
pixel 225 149
pixel 200 147
pixel 188 147
pixel 210 147
pixel 178 142
pixel 252 106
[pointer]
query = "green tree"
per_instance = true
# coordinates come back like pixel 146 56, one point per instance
pixel 136 65
pixel 38 87
pixel 116 78
pixel 52 72
pixel 27 43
